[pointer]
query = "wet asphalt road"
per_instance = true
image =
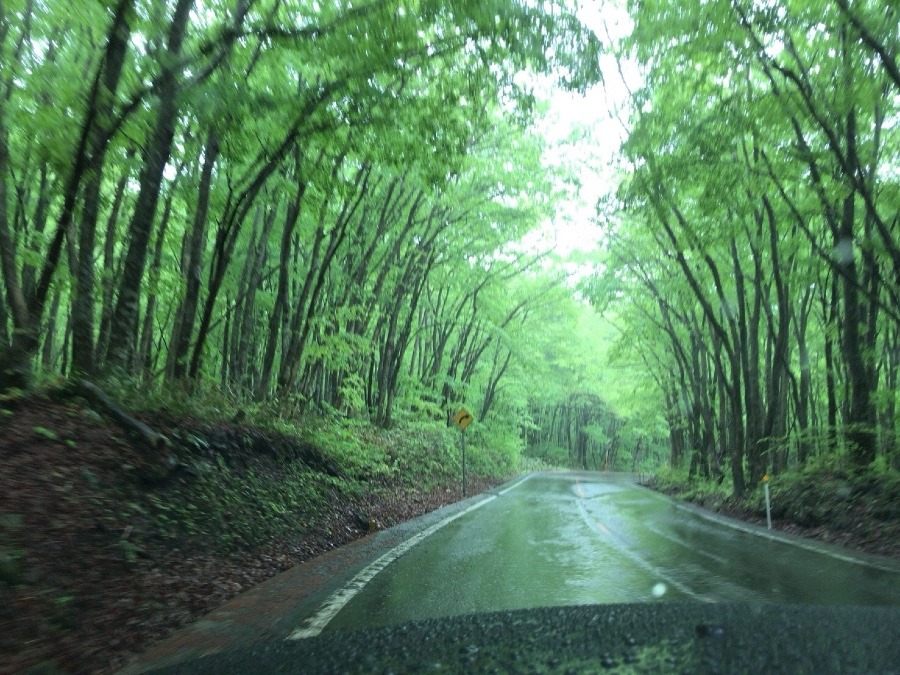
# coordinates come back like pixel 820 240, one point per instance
pixel 575 539
pixel 624 579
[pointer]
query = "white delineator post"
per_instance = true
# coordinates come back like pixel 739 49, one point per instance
pixel 768 501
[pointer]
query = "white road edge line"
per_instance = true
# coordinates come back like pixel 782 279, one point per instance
pixel 513 487
pixel 681 542
pixel 784 540
pixel 329 609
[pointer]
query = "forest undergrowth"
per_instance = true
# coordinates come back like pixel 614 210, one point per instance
pixel 108 545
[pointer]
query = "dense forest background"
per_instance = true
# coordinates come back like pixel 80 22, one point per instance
pixel 756 262
pixel 322 209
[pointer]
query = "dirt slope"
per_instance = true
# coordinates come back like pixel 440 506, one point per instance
pixel 86 578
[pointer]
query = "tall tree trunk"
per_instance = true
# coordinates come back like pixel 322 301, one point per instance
pixel 281 295
pixel 801 321
pixel 110 275
pixel 155 157
pixel 192 267
pixel 861 431
pixel 83 300
pixel 48 351
pixel 143 359
pixel 779 364
pixel 256 260
pixel 860 419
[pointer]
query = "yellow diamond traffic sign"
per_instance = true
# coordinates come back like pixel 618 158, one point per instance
pixel 462 418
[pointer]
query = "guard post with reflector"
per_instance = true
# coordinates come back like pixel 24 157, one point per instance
pixel 765 482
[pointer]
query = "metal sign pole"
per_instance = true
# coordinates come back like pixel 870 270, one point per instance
pixel 463 441
pixel 462 419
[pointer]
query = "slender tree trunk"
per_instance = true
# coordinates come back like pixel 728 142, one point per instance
pixel 110 276
pixel 144 359
pixel 83 300
pixel 861 418
pixel 48 354
pixel 801 322
pixel 192 267
pixel 256 261
pixel 155 157
pixel 281 296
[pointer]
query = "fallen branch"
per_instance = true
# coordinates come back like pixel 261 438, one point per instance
pixel 134 428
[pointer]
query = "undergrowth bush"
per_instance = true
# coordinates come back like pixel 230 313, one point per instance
pixel 549 454
pixel 668 478
pixel 822 493
pixel 528 463
pixel 348 443
pixel 704 491
pixel 493 449
pixel 227 509
pixel 422 453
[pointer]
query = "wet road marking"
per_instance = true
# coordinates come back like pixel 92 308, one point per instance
pixel 329 609
pixel 513 487
pixel 602 528
pixel 620 547
pixel 776 537
pixel 681 542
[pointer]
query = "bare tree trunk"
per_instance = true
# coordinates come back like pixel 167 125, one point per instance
pixel 192 268
pixel 281 296
pixel 155 157
pixel 83 300
pixel 146 336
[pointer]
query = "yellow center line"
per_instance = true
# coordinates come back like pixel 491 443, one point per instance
pixel 600 526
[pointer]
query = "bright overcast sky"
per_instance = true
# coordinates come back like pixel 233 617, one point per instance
pixel 584 134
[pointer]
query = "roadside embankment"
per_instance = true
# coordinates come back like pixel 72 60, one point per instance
pixel 858 511
pixel 108 544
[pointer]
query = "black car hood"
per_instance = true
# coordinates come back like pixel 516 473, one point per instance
pixel 644 638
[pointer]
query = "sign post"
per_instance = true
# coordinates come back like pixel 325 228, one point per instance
pixel 462 419
pixel 462 442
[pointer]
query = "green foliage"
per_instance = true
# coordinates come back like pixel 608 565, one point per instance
pixel 423 454
pixel 318 177
pixel 494 449
pixel 346 443
pixel 667 478
pixel 528 464
pixel 737 208
pixel 46 433
pixel 676 481
pixel 548 454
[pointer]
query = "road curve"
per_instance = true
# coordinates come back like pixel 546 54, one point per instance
pixel 586 538
pixel 580 542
